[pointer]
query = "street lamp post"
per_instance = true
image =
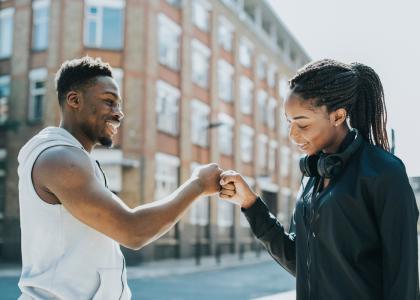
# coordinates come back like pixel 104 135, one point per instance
pixel 198 245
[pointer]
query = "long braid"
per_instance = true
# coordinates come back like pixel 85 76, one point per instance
pixel 355 87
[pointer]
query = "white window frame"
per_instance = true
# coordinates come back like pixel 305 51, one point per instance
pixel 118 75
pixel 271 75
pixel 201 14
pixel 37 75
pixel 262 106
pixel 225 211
pixel 246 95
pixel 262 63
pixel 98 18
pixel 283 88
pixel 271 112
pixel 200 209
pixel 247 143
pixel 284 161
pixel 246 49
pixel 169 37
pixel 4 99
pixel 226 134
pixel 225 80
pixel 168 121
pixel 38 22
pixel 225 32
pixel 167 172
pixel 6 37
pixel 200 113
pixel 262 150
pixel 200 65
pixel 284 125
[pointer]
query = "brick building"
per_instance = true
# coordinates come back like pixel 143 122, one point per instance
pixel 201 81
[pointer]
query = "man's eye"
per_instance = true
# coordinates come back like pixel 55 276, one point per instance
pixel 109 102
pixel 302 127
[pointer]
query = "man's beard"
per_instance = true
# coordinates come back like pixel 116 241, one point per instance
pixel 105 141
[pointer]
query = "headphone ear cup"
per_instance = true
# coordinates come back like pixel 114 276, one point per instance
pixel 329 165
pixel 308 165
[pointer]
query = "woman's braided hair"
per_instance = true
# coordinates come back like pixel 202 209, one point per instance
pixel 355 87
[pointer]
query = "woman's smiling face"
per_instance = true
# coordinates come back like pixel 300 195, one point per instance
pixel 311 127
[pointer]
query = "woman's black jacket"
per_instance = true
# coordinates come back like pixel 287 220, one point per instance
pixel 356 240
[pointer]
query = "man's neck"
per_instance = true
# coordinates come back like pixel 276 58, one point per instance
pixel 78 135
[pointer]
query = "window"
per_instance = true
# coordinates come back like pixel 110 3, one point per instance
pixel 201 14
pixel 225 33
pixel 245 52
pixel 6 32
pixel 4 98
pixel 262 151
pixel 262 67
pixel 118 75
pixel 284 125
pixel 271 112
pixel 104 24
pixel 176 3
pixel 225 80
pixel 283 88
pixel 169 42
pixel 199 213
pixel 285 161
pixel 166 174
pixel 262 111
pixel 37 90
pixel 226 134
pixel 225 212
pixel 41 14
pixel 247 143
pixel 200 63
pixel 167 107
pixel 272 155
pixel 199 122
pixel 246 95
pixel 271 76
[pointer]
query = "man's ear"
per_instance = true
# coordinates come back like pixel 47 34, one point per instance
pixel 73 99
pixel 338 117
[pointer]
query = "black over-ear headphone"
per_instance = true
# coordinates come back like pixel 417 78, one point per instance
pixel 329 165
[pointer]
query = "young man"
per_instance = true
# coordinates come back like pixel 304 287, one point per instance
pixel 71 223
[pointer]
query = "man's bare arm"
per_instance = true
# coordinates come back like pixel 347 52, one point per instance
pixel 68 173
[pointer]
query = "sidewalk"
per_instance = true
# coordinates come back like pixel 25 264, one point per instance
pixel 169 266
pixel 188 265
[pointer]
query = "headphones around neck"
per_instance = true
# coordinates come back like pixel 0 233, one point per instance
pixel 329 165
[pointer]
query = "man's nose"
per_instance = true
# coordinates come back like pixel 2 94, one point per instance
pixel 119 113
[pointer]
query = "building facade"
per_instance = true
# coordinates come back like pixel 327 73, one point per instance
pixel 202 81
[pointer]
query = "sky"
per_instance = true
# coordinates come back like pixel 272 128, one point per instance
pixel 384 35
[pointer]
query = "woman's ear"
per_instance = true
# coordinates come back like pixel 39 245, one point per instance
pixel 338 117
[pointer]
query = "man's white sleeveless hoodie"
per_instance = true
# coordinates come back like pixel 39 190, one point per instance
pixel 62 258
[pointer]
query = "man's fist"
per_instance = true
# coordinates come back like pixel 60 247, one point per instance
pixel 208 177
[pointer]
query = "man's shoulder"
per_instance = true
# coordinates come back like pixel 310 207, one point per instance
pixel 62 159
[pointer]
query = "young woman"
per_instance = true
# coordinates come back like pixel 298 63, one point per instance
pixel 353 233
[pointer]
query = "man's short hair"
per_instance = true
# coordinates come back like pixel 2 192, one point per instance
pixel 78 74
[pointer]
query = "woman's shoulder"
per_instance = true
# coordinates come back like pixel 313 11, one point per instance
pixel 381 161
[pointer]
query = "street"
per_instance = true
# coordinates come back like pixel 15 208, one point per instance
pixel 240 282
